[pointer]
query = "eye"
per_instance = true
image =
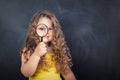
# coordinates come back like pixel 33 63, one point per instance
pixel 41 28
pixel 50 28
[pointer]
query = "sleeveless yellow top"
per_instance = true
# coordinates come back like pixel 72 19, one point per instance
pixel 49 74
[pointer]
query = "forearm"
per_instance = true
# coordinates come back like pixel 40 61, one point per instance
pixel 28 68
pixel 70 76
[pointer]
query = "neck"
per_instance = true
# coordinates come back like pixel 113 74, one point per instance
pixel 49 49
pixel 47 44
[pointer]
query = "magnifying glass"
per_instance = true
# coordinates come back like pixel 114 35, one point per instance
pixel 42 30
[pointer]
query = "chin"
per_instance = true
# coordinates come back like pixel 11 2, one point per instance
pixel 46 41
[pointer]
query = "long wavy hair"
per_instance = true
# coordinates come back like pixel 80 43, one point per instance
pixel 62 54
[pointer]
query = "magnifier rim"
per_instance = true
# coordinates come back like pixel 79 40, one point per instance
pixel 46 29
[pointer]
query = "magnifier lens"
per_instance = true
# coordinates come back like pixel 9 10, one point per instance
pixel 42 30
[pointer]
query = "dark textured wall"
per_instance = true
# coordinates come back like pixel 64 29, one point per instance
pixel 91 28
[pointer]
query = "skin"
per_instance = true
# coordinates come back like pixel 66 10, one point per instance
pixel 29 67
pixel 48 23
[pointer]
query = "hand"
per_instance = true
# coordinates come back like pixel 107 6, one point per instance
pixel 41 49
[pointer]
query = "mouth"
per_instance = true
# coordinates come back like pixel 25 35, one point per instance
pixel 46 36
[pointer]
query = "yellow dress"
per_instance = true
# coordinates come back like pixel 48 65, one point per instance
pixel 49 74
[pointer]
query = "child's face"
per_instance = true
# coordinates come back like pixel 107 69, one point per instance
pixel 48 23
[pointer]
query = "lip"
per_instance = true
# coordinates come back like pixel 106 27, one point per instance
pixel 47 36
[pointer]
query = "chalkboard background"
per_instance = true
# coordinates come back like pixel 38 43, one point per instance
pixel 91 28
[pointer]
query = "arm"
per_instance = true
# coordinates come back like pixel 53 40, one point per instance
pixel 29 65
pixel 69 75
pixel 28 68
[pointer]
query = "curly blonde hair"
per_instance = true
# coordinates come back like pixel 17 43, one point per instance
pixel 60 49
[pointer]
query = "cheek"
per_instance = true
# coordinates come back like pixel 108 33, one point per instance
pixel 51 35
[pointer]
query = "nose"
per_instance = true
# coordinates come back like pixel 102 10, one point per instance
pixel 47 34
pixel 48 31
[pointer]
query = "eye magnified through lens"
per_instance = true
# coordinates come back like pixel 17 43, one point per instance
pixel 42 30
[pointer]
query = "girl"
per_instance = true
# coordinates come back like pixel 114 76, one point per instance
pixel 48 59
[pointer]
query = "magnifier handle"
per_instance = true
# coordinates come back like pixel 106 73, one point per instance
pixel 41 39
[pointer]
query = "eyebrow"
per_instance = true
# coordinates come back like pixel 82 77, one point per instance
pixel 45 25
pixel 41 24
